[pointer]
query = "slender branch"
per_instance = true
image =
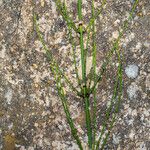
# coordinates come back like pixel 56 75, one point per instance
pixel 92 20
pixel 91 24
pixel 116 111
pixel 73 47
pixel 52 61
pixel 82 55
pixel 88 122
pixel 94 52
pixel 114 97
pixel 105 64
pixel 117 92
pixel 80 10
pixel 74 56
pixel 63 11
pixel 65 106
pixel 83 64
pixel 119 100
pixel 86 91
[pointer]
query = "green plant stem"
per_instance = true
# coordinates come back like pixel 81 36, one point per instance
pixel 92 20
pixel 86 91
pixel 95 100
pixel 80 10
pixel 63 11
pixel 114 117
pixel 116 110
pixel 105 64
pixel 84 88
pixel 94 75
pixel 88 122
pixel 114 97
pixel 73 47
pixel 50 57
pixel 91 24
pixel 74 56
pixel 82 55
pixel 57 75
pixel 65 106
pixel 117 92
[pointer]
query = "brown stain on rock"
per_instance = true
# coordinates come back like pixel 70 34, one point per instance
pixel 81 119
pixel 9 142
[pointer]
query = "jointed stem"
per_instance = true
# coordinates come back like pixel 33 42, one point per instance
pixel 88 122
pixel 105 64
pixel 84 88
pixel 82 55
pixel 116 107
pixel 87 91
pixel 80 10
pixel 74 56
pixel 65 105
pixel 93 18
pixel 62 9
pixel 117 92
pixel 94 75
pixel 52 61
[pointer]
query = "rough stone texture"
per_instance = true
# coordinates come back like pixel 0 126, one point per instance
pixel 31 114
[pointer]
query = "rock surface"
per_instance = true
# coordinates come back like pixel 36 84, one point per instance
pixel 31 113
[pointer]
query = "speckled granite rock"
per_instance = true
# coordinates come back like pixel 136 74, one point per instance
pixel 31 114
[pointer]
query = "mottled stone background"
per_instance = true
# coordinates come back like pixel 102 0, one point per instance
pixel 31 114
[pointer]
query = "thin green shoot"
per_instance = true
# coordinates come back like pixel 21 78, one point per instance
pixel 86 90
pixel 50 57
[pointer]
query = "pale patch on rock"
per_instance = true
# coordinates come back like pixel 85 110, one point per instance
pixel 88 67
pixel 116 22
pixel 22 148
pixel 75 111
pixel 115 34
pixel 116 139
pixel 8 96
pixel 39 46
pixel 59 145
pixel 132 91
pixel 54 100
pixel 54 9
pixel 73 147
pixel 143 147
pixel 146 112
pixel 131 135
pixel 3 51
pixel 147 44
pixel 132 71
pixel 84 2
pixel 31 148
pixel 47 141
pixel 42 3
pixel 10 126
pixel 138 46
pixel 1 2
pixel 148 82
pixel 134 112
pixel 47 101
